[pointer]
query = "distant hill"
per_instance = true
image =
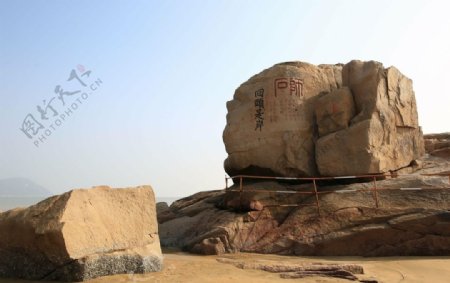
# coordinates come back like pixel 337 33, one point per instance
pixel 22 187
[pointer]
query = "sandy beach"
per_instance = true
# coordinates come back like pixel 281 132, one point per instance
pixel 183 267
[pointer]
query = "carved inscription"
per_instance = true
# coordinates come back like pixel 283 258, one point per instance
pixel 259 107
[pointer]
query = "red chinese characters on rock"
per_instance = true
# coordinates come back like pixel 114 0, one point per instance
pixel 288 86
pixel 288 95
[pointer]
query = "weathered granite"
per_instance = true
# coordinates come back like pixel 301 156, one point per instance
pixel 406 223
pixel 82 234
pixel 298 119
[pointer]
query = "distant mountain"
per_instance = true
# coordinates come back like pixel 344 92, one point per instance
pixel 22 187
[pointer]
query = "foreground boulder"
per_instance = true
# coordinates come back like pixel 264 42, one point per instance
pixel 297 119
pixel 82 234
pixel 406 222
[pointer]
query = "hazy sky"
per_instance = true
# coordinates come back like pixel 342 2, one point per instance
pixel 167 69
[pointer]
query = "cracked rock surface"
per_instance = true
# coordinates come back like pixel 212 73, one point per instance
pixel 300 270
pixel 297 119
pixel 406 223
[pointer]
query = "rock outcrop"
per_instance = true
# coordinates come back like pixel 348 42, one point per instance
pixel 302 270
pixel 407 222
pixel 82 234
pixel 161 207
pixel 297 119
pixel 438 144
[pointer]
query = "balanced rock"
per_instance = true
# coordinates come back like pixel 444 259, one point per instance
pixel 297 119
pixel 82 234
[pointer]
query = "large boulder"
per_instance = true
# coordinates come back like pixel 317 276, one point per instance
pixel 82 234
pixel 384 135
pixel 297 119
